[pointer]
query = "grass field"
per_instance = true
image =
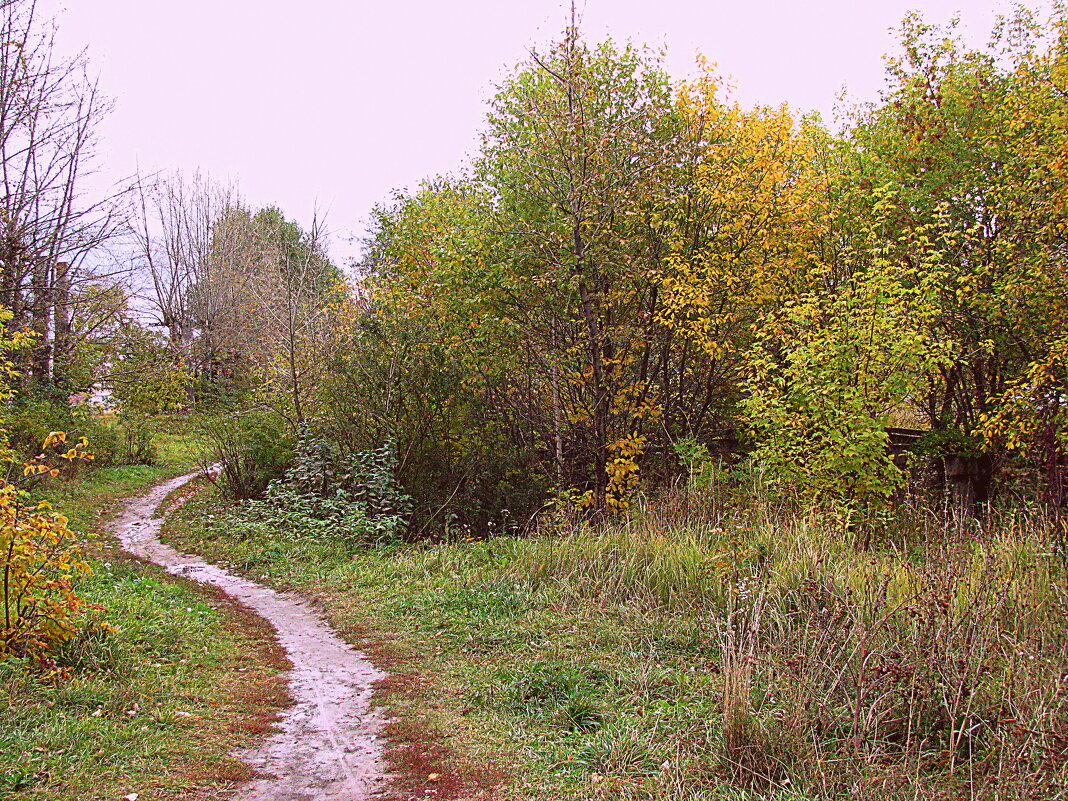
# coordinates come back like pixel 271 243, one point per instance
pixel 707 657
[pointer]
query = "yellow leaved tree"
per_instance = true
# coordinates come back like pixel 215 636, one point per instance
pixel 753 225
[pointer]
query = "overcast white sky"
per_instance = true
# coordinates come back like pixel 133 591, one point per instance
pixel 332 105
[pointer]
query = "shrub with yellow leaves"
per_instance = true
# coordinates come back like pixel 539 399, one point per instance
pixel 623 470
pixel 39 557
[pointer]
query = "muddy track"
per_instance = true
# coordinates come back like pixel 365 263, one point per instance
pixel 329 746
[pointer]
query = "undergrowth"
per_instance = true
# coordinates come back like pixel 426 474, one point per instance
pixel 716 652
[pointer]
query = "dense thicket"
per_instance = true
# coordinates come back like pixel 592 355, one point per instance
pixel 629 264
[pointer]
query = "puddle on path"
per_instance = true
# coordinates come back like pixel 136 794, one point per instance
pixel 329 746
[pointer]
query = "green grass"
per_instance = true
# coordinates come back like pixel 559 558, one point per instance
pixel 575 699
pixel 155 707
pixel 89 497
pixel 735 658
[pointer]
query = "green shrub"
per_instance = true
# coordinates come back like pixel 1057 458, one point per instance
pixel 129 441
pixel 367 478
pixel 125 440
pixel 31 419
pixel 323 498
pixel 252 448
pixel 342 518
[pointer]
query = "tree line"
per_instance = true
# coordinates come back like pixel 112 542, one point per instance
pixel 162 289
pixel 631 269
pixel 632 263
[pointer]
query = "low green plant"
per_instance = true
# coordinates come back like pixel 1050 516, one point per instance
pixel 325 496
pixel 368 478
pixel 148 704
pixel 342 517
pixel 702 469
pixel 14 781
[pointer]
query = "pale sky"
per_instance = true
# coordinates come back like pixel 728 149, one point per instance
pixel 332 105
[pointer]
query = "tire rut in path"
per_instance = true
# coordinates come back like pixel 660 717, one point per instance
pixel 329 746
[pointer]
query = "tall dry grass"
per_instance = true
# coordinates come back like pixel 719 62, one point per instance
pixel 930 663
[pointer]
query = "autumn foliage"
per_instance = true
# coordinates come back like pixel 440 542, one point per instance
pixel 39 554
pixel 631 262
pixel 40 559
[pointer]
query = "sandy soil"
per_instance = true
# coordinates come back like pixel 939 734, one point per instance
pixel 329 746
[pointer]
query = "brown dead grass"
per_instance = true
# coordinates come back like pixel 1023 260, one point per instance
pixel 424 764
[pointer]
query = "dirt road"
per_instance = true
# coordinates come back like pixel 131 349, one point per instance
pixel 329 746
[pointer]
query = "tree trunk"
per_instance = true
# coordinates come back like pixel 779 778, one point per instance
pixel 61 340
pixel 558 423
pixel 40 316
pixel 599 397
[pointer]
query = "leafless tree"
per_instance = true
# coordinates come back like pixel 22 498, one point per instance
pixel 174 228
pixel 238 291
pixel 50 109
pixel 295 301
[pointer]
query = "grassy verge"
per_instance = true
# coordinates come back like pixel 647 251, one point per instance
pixel 717 659
pixel 155 708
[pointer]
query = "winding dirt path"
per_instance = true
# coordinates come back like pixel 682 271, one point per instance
pixel 329 746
